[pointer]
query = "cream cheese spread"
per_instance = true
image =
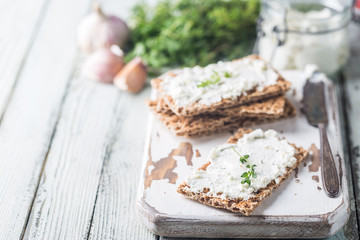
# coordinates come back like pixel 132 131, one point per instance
pixel 270 155
pixel 223 80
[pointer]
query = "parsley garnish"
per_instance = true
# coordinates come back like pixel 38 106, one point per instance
pixel 251 173
pixel 247 175
pixel 243 159
pixel 227 75
pixel 215 78
pixel 208 82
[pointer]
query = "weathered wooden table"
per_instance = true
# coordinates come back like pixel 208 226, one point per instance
pixel 71 150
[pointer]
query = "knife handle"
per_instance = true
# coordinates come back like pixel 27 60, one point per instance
pixel 328 169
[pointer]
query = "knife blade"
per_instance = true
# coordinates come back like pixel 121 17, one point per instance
pixel 313 102
pixel 314 108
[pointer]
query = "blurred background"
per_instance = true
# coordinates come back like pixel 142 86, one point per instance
pixel 75 75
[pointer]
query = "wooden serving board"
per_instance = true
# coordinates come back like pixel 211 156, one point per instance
pixel 298 209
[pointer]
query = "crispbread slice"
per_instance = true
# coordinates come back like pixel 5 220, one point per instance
pixel 210 124
pixel 239 205
pixel 251 96
pixel 246 122
pixel 269 107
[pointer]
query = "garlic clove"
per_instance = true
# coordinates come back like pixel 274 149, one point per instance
pixel 132 77
pixel 115 31
pixel 98 30
pixel 103 64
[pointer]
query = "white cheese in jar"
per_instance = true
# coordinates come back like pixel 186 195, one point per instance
pixel 223 80
pixel 327 50
pixel 224 175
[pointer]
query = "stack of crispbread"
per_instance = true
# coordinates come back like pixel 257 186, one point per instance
pixel 252 106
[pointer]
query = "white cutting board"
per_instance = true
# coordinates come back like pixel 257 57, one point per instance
pixel 299 208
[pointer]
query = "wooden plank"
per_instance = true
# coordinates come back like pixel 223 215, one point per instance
pixel 114 213
pixel 19 23
pixel 352 103
pixel 115 216
pixel 64 204
pixel 28 125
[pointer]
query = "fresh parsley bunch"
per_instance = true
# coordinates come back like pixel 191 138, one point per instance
pixel 192 32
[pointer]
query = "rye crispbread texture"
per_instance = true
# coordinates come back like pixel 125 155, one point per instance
pixel 239 205
pixel 269 107
pixel 242 116
pixel 252 95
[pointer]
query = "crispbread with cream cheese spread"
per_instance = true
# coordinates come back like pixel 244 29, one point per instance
pixel 250 79
pixel 227 189
pixel 241 116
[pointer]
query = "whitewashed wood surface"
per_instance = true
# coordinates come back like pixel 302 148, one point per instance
pixel 70 149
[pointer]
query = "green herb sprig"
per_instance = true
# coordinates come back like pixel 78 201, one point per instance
pixel 243 159
pixel 215 78
pixel 247 175
pixel 227 75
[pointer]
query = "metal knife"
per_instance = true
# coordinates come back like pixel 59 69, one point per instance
pixel 314 108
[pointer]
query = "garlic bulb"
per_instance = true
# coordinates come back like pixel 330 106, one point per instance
pixel 98 30
pixel 132 77
pixel 104 64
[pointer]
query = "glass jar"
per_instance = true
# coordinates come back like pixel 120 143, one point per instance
pixel 294 33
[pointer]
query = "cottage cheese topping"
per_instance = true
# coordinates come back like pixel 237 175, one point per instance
pixel 223 175
pixel 228 80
